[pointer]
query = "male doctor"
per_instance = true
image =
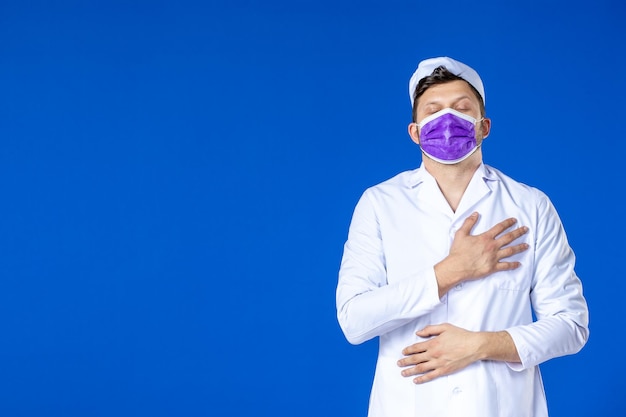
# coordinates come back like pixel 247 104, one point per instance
pixel 447 263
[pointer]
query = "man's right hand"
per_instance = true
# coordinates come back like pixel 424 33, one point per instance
pixel 473 257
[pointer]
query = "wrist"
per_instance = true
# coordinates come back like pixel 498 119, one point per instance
pixel 485 346
pixel 446 276
pixel 497 346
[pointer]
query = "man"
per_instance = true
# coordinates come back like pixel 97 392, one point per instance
pixel 447 263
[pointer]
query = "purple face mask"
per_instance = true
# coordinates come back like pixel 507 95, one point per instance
pixel 448 136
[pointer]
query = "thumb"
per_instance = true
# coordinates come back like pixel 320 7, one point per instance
pixel 469 223
pixel 431 330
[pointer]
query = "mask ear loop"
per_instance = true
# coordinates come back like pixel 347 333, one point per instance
pixel 481 125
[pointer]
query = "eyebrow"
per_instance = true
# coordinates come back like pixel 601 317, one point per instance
pixel 464 96
pixel 438 102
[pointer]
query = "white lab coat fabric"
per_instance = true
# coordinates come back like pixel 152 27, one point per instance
pixel 387 287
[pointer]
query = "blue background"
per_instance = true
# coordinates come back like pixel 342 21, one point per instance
pixel 178 178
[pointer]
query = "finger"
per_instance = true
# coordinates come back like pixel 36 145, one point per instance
pixel 428 376
pixel 431 330
pixel 512 250
pixel 421 366
pixel 469 223
pixel 507 266
pixel 415 348
pixel 418 369
pixel 412 360
pixel 501 227
pixel 512 235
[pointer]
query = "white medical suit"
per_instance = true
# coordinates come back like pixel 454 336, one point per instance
pixel 387 288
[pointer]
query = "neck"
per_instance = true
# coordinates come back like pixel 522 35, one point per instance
pixel 453 179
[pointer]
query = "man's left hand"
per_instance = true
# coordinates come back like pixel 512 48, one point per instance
pixel 451 349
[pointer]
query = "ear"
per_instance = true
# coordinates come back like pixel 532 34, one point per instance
pixel 414 132
pixel 485 125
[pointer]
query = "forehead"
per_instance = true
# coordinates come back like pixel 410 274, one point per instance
pixel 447 93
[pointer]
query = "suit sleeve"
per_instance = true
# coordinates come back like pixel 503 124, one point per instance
pixel 556 295
pixel 367 306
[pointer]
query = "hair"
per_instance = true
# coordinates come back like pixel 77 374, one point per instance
pixel 441 75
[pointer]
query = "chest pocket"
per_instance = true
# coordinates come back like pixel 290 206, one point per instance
pixel 519 279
